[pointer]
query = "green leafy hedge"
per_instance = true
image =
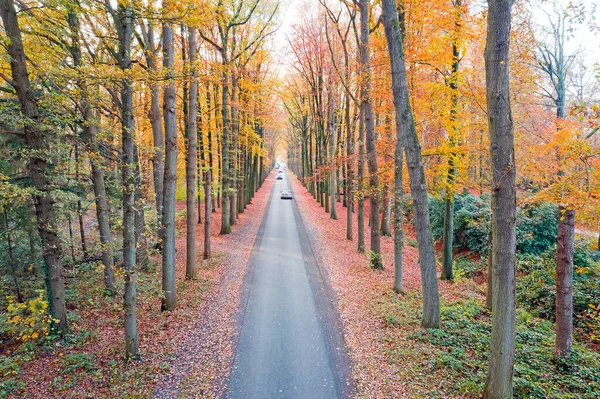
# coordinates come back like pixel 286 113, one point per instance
pixel 536 225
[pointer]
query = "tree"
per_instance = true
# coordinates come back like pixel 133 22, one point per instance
pixel 502 351
pixel 38 167
pixel 191 160
pixel 169 300
pixel 407 134
pixel 367 111
pixel 123 21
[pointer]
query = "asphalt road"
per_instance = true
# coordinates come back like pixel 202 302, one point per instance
pixel 290 344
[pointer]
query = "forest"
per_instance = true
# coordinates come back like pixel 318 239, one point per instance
pixel 444 159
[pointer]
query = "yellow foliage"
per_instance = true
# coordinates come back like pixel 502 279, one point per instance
pixel 28 321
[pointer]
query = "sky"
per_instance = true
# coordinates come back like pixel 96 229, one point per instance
pixel 582 39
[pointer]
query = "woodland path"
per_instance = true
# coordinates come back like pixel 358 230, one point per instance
pixel 290 344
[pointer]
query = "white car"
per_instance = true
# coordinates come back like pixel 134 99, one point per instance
pixel 286 194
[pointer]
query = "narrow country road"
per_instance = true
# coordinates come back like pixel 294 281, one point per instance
pixel 290 344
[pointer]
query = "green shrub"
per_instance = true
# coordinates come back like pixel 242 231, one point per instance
pixel 536 224
pixel 468 267
pixel 536 286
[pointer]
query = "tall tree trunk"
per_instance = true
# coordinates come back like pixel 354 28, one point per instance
pixel 367 106
pixel 37 167
pixel 124 25
pixel 332 172
pixel 236 149
pixel 141 241
pixel 207 211
pixel 398 213
pixel 349 186
pixel 192 160
pixel 158 137
pixel 490 272
pixel 361 182
pixel 502 352
pixel 564 281
pixel 169 299
pixel 225 163
pixel 84 247
pixel 386 228
pixel 448 234
pixel 406 132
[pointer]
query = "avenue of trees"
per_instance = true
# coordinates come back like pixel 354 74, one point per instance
pixel 112 112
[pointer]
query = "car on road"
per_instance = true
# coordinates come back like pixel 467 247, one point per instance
pixel 279 177
pixel 286 194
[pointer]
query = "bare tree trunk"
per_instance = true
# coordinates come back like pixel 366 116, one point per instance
pixel 38 165
pixel 490 272
pixel 192 160
pixel 84 248
pixel 406 132
pixel 207 211
pixel 502 351
pixel 564 281
pixel 398 215
pixel 367 105
pixel 386 212
pixel 349 186
pixel 123 20
pixel 141 241
pixel 361 181
pixel 169 299
pixel 236 148
pixel 225 169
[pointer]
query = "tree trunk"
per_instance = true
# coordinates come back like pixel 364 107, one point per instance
pixel 348 187
pixel 447 237
pixel 124 25
pixel 37 167
pixel 406 132
pixel 367 105
pixel 564 281
pixel 502 351
pixel 361 182
pixel 490 272
pixel 141 241
pixel 398 215
pixel 192 160
pixel 236 149
pixel 386 212
pixel 84 248
pixel 207 211
pixel 169 299
pixel 225 156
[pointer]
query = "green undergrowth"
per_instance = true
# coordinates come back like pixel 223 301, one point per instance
pixel 454 358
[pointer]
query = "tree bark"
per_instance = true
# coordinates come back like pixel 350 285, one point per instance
pixel 207 211
pixel 564 281
pixel 192 160
pixel 361 182
pixel 123 20
pixel 37 167
pixel 500 122
pixel 398 214
pixel 406 132
pixel 169 299
pixel 367 105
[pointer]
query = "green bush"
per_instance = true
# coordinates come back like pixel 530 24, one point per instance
pixel 536 225
pixel 536 286
pixel 470 268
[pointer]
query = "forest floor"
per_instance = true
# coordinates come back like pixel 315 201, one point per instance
pixel 186 352
pixel 394 357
